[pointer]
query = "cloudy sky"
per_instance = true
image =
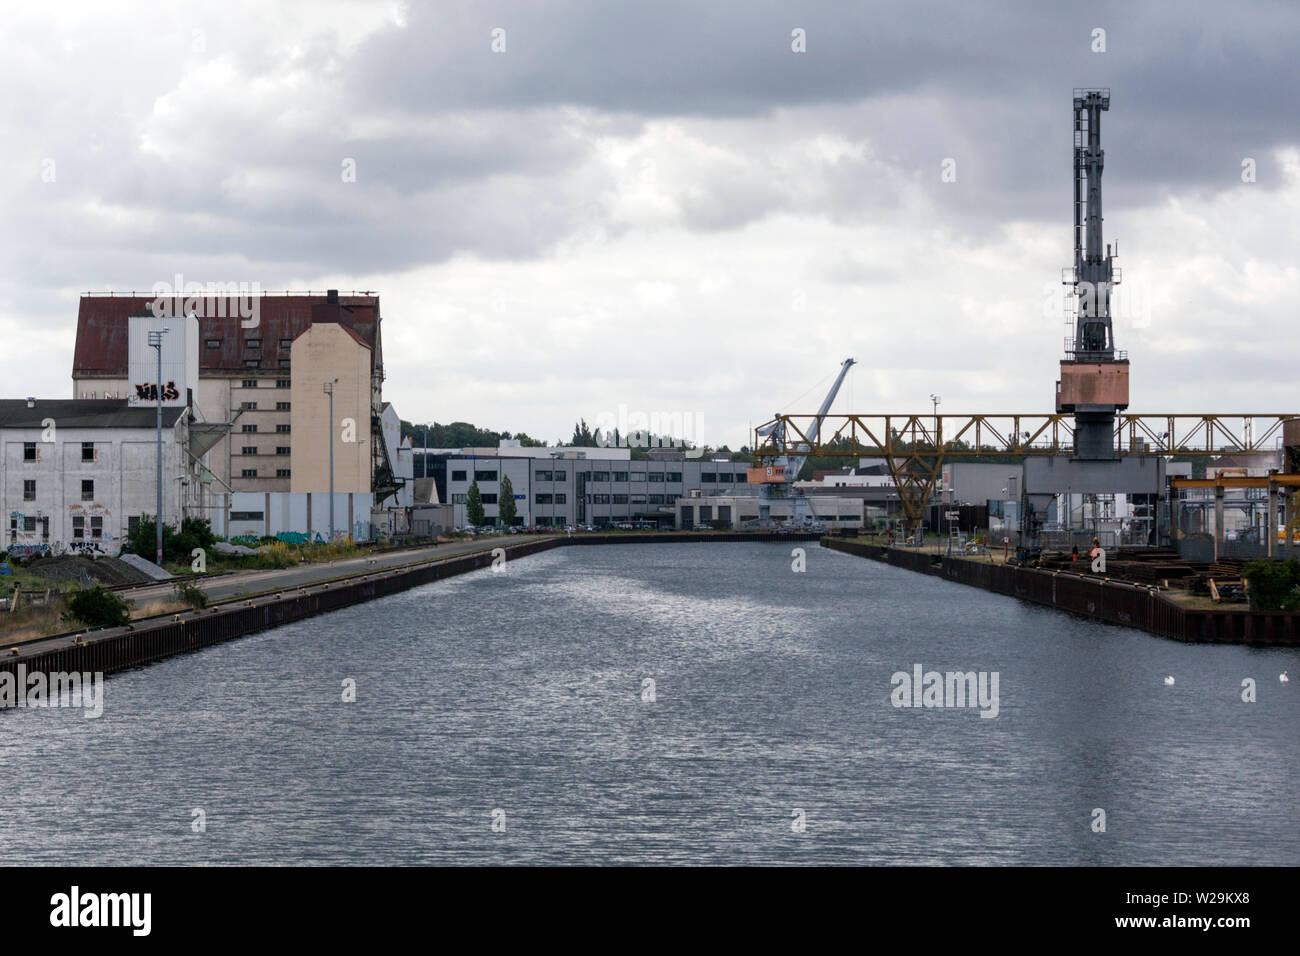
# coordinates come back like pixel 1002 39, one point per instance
pixel 664 205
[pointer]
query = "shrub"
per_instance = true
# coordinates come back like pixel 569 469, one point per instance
pixel 99 608
pixel 1273 584
pixel 191 594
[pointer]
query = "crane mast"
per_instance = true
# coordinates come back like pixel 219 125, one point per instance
pixel 1094 377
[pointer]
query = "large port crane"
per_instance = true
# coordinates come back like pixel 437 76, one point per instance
pixel 776 475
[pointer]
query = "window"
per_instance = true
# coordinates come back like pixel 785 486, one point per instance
pixel 673 476
pixel 212 343
pixel 78 526
pixel 283 383
pixel 96 528
pixel 708 477
pixel 600 476
pixel 560 475
pixel 248 406
pixel 655 499
pixel 546 476
pixel 246 516
pixel 87 451
pixel 251 363
pixel 281 406
pixel 29 451
pixel 458 476
pixel 638 476
pixel 284 363
pixel 286 343
pixel 88 489
pixel 248 473
pixel 485 476
pixel 282 472
pixel 250 383
pixel 248 450
pixel 282 429
pixel 489 499
pixel 620 499
pixel 561 499
pixel 620 476
pixel 542 499
pixel 246 429
pixel 725 477
pixel 29 490
pixel 655 476
pixel 133 524
pixel 600 499
pixel 638 499
pixel 252 343
pixel 282 449
pixel 459 499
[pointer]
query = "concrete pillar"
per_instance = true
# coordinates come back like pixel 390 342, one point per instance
pixel 1218 519
pixel 1271 525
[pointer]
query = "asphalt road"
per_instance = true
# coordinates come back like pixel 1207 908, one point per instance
pixel 235 584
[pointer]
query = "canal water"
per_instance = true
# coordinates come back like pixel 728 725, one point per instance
pixel 509 718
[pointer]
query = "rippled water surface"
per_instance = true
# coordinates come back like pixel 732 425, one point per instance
pixel 522 692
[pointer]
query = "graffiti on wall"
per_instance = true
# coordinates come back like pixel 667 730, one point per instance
pixel 148 392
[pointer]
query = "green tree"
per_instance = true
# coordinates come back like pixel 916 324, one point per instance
pixel 506 502
pixel 474 505
pixel 582 435
pixel 96 607
pixel 1273 585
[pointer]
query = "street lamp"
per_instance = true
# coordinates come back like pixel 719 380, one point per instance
pixel 936 400
pixel 155 343
pixel 329 390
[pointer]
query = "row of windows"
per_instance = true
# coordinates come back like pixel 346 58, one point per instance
pixel 252 450
pixel 252 406
pixel 250 428
pixel 460 499
pixel 709 477
pixel 87 489
pixel 279 383
pixel 78 526
pixel 628 499
pixel 30 452
pixel 212 344
pixel 252 473
pixel 555 499
pixel 621 476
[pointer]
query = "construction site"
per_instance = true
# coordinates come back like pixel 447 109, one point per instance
pixel 1175 500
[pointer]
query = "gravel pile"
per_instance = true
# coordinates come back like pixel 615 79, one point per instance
pixel 71 567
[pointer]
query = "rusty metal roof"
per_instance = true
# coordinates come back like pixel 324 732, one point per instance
pixel 102 329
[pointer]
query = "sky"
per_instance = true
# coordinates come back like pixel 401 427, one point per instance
pixel 684 209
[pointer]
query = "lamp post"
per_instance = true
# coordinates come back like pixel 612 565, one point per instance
pixel 155 343
pixel 329 390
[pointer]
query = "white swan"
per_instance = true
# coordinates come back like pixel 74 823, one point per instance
pixel 1282 677
pixel 1169 681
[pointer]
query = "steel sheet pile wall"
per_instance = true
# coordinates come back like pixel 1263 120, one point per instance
pixel 152 641
pixel 1114 602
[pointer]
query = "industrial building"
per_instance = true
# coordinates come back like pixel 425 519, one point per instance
pixel 258 375
pixel 558 487
pixel 76 475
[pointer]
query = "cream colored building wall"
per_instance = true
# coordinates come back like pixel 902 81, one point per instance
pixel 324 352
